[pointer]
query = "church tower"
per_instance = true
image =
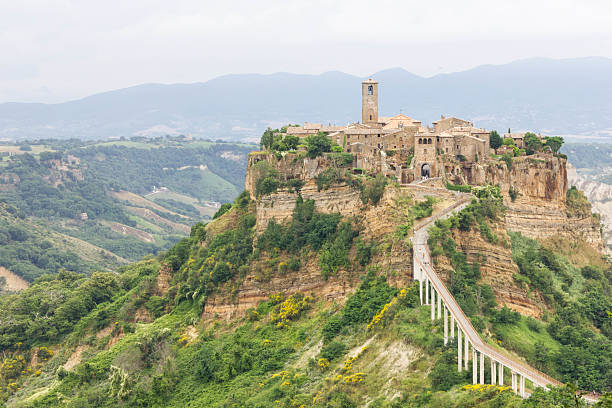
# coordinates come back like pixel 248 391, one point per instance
pixel 369 101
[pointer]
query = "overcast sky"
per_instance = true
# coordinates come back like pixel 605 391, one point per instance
pixel 56 50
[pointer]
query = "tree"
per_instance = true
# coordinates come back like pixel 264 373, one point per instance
pixel 508 141
pixel 318 144
pixel 554 142
pixel 291 141
pixel 532 142
pixel 495 139
pixel 267 139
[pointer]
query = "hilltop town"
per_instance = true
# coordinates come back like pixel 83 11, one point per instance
pixel 404 149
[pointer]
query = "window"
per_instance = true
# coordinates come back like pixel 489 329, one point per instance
pixel 429 141
pixel 447 150
pixel 370 117
pixel 370 92
pixel 424 151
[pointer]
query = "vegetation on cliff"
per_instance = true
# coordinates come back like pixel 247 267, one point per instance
pixel 156 333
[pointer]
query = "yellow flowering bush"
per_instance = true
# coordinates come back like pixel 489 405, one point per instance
pixel 486 388
pixel 354 378
pixel 323 364
pixel 44 353
pixel 289 309
pixel 386 311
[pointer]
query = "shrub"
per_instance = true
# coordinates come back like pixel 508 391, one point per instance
pixel 495 139
pixel 462 188
pixel 364 251
pixel 331 328
pixel 265 178
pixel 333 350
pixel 295 184
pixel 506 158
pixel 577 204
pixel 513 193
pixel 533 143
pixel 424 208
pixel 222 210
pixel 317 144
pixel 506 316
pixel 329 176
pixel 374 189
pixel 444 373
pixel 290 309
pixel 295 264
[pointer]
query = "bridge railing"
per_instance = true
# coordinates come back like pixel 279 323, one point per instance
pixel 535 376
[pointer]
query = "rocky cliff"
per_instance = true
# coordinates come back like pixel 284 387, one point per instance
pixel 600 196
pixel 534 191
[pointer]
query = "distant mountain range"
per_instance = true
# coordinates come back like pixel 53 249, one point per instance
pixel 568 96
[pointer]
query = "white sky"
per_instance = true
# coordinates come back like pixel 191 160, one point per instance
pixel 55 50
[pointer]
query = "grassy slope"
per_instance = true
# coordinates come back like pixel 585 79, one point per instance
pixel 180 360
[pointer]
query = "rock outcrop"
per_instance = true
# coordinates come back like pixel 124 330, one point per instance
pixel 534 191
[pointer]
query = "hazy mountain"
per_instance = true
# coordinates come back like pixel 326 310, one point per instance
pixel 569 96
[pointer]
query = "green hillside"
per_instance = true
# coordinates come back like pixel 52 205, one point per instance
pixel 140 338
pixel 109 195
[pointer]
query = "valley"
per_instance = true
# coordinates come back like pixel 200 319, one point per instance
pixel 100 205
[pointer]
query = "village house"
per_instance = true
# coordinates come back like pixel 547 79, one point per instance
pixel 402 147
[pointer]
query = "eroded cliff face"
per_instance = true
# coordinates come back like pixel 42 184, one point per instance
pixel 379 224
pixel 538 211
pixel 600 196
pixel 497 269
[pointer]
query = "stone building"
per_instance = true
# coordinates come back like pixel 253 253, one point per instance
pixel 402 147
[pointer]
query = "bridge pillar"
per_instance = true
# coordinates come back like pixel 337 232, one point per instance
pixel 421 290
pixel 514 385
pixel 522 386
pixel 493 372
pixel 501 374
pixel 466 349
pixel 482 356
pixel 459 349
pixel 452 325
pixel 426 290
pixel 474 368
pixel 433 303
pixel 445 325
pixel 439 306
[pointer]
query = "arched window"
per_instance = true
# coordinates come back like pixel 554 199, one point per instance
pixel 370 117
pixel 429 141
pixel 420 141
pixel 370 91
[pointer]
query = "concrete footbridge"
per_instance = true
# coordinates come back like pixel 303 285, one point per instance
pixel 434 293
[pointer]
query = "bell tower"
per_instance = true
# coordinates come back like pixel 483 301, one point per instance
pixel 369 101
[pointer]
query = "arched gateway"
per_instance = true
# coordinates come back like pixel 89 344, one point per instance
pixel 425 170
